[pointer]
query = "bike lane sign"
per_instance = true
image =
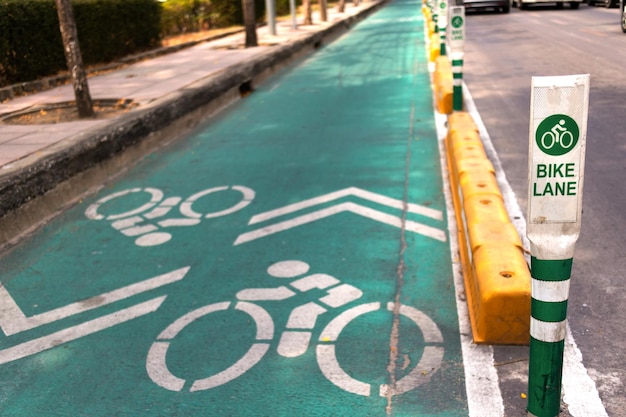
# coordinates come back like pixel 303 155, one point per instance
pixel 557 149
pixel 557 139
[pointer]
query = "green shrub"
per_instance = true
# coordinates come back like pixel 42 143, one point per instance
pixel 111 29
pixel 183 16
pixel 107 30
pixel 25 54
pixel 282 7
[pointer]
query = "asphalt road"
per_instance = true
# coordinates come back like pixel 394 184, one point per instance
pixel 502 53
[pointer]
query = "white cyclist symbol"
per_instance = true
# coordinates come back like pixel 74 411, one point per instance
pixel 140 222
pixel 295 339
pixel 557 134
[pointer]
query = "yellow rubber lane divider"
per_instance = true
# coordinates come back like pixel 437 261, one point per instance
pixel 428 18
pixel 434 47
pixel 496 275
pixel 444 84
pixel 434 43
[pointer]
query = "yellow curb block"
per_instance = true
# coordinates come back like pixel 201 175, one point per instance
pixel 495 272
pixel 427 15
pixel 431 24
pixel 465 166
pixel 435 44
pixel 485 234
pixel 444 84
pixel 478 182
pixel 483 208
pixel 500 295
pixel 463 122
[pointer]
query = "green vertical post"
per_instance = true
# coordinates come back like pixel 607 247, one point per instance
pixel 457 45
pixel 442 45
pixel 457 75
pixel 557 137
pixel 443 25
pixel 435 15
pixel 550 292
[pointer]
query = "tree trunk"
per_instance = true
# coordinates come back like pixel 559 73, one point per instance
pixel 250 23
pixel 308 13
pixel 74 59
pixel 323 11
pixel 341 6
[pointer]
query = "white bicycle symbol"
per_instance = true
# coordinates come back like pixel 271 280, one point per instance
pixel 558 134
pixel 295 340
pixel 136 222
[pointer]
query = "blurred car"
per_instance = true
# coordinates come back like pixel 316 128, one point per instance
pixel 502 5
pixel 605 3
pixel 573 4
pixel 622 19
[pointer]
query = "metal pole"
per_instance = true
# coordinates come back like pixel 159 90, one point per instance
pixel 292 7
pixel 271 16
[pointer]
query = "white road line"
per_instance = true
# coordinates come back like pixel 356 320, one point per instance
pixel 580 393
pixel 13 320
pixel 481 379
pixel 379 216
pixel 76 332
pixel 327 361
pixel 366 195
pixel 579 390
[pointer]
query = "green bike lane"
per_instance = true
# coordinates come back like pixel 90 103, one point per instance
pixel 290 257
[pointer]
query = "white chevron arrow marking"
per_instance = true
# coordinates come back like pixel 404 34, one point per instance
pixel 357 192
pixel 331 211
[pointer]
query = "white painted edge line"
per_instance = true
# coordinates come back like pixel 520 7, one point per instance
pixel 579 390
pixel 516 216
pixel 481 378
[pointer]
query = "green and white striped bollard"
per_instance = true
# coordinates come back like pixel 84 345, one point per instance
pixel 457 79
pixel 457 45
pixel 550 292
pixel 443 25
pixel 557 144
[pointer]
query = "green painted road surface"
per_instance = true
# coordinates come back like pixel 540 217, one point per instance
pixel 289 258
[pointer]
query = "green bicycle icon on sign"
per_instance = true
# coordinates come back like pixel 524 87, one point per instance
pixel 457 22
pixel 557 134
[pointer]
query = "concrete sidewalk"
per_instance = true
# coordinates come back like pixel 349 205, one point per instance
pixel 172 93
